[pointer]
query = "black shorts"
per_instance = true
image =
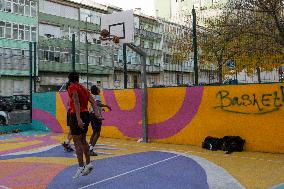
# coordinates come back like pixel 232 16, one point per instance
pixel 74 128
pixel 96 123
pixel 68 118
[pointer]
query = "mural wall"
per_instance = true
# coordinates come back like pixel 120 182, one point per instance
pixel 184 115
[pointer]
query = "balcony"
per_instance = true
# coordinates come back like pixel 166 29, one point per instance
pixel 152 52
pixel 66 43
pixel 61 21
pixel 147 34
pixel 14 72
pixel 156 68
pixel 130 67
pixel 48 66
pixel 178 68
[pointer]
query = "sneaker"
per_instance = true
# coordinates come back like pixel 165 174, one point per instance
pixel 67 147
pixel 79 172
pixel 93 153
pixel 87 169
pixel 70 149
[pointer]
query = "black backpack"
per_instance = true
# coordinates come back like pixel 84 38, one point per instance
pixel 233 144
pixel 212 143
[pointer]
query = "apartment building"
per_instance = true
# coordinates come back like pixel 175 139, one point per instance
pixel 18 27
pixel 51 24
pixel 58 20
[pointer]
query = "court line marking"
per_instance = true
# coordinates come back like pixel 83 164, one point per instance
pixel 4 187
pixel 204 153
pixel 122 174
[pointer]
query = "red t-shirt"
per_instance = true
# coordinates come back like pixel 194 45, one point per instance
pixel 83 96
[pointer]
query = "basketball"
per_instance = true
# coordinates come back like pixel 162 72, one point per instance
pixel 104 33
pixel 115 39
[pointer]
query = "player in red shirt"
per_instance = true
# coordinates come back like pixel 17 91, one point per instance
pixel 79 121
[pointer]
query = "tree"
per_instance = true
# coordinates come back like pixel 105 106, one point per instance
pixel 261 23
pixel 250 32
pixel 265 15
pixel 217 41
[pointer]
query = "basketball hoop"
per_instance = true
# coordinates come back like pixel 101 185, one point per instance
pixel 109 40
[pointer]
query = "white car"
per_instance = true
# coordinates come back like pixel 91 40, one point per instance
pixel 4 117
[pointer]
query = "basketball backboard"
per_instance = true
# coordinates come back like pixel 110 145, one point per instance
pixel 120 24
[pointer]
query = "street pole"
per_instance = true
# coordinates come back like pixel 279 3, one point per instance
pixel 31 79
pixel 125 66
pixel 144 99
pixel 73 53
pixel 144 91
pixel 87 52
pixel 236 72
pixel 194 38
pixel 35 66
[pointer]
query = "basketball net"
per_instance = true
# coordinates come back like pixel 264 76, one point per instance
pixel 108 41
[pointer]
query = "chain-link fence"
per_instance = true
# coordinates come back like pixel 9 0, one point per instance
pixel 16 85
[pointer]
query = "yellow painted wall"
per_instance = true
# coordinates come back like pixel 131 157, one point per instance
pixel 262 131
pixel 258 117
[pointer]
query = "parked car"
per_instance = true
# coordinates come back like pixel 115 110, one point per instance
pixel 158 86
pixel 186 85
pixel 4 117
pixel 202 84
pixel 6 103
pixel 230 82
pixel 22 102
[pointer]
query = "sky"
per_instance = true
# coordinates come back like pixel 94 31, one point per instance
pixel 147 6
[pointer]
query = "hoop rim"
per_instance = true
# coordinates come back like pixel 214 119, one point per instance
pixel 109 38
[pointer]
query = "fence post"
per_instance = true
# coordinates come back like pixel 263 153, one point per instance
pixel 31 79
pixel 194 38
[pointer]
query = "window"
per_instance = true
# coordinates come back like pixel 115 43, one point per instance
pixel 15 31
pixel 151 60
pixel 33 9
pixel 16 6
pixel 8 33
pixel 2 29
pixel 65 57
pixel 51 56
pixel 22 32
pixel 2 4
pixel 150 45
pixel 27 33
pixel 8 6
pixel 45 55
pixel 27 8
pixel 142 43
pixel 92 60
pixel 83 59
pixel 33 33
pixel 22 7
pixel 57 56
pixel 64 32
pixel 98 60
pixel 115 57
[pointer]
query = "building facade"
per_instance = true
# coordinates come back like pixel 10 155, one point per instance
pixel 105 64
pixel 58 20
pixel 51 24
pixel 18 27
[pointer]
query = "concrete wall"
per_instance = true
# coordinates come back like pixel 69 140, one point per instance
pixel 184 115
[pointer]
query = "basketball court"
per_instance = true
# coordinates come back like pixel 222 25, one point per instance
pixel 37 160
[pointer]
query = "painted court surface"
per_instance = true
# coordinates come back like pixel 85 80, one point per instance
pixel 33 160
